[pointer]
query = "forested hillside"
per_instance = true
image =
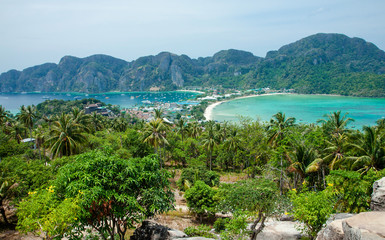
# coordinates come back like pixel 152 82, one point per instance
pixel 321 63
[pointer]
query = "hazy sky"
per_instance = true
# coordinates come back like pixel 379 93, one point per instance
pixel 33 32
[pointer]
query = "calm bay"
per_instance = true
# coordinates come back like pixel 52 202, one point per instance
pixel 13 101
pixel 305 108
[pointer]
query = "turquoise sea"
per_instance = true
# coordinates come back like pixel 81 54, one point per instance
pixel 13 101
pixel 305 108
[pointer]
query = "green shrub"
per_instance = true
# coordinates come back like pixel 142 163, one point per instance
pixel 191 175
pixel 236 228
pixel 220 224
pixel 201 200
pixel 199 231
pixel 353 189
pixel 312 209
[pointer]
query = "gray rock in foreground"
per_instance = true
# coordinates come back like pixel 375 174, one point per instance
pixel 279 230
pixel 153 231
pixel 333 229
pixel 378 196
pixel 366 225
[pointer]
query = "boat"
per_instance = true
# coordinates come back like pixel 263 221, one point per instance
pixel 146 102
pixel 46 97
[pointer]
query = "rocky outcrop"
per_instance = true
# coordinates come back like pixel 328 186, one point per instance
pixel 279 230
pixel 366 225
pixel 378 196
pixel 333 229
pixel 153 231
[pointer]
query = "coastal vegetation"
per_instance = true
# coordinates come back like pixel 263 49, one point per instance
pixel 85 172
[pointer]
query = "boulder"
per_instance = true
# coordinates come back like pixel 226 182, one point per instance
pixel 153 231
pixel 333 229
pixel 366 225
pixel 279 230
pixel 378 196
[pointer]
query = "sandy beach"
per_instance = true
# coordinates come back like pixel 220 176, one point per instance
pixel 194 91
pixel 209 110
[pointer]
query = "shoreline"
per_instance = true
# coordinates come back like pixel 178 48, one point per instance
pixel 193 91
pixel 208 113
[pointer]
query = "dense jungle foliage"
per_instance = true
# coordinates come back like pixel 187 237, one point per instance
pixel 109 174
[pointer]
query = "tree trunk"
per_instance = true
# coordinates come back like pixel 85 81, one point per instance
pixel 280 179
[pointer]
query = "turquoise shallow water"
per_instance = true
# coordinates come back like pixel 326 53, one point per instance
pixel 13 101
pixel 305 108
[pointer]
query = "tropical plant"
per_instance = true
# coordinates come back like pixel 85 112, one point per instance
pixel 43 213
pixel 4 115
pixel 253 197
pixel 201 200
pixel 210 140
pixel 300 159
pixel 66 136
pixel 312 209
pixel 154 133
pixel 116 193
pixel 278 127
pixel 336 123
pixel 27 116
pixel 371 150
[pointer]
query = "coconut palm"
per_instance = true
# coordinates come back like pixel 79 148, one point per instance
pixel 80 117
pixel 210 140
pixel 181 127
pixel 27 116
pixel 155 134
pixel 18 131
pixel 278 127
pixel 232 144
pixel 96 121
pixel 119 124
pixel 300 159
pixel 371 150
pixel 336 123
pixel 48 119
pixel 334 156
pixel 4 116
pixel 194 129
pixel 66 136
pixel 158 113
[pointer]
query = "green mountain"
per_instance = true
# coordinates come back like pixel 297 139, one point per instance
pixel 321 63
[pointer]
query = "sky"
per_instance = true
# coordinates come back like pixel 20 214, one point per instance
pixel 33 32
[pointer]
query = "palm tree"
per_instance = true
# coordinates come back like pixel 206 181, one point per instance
pixel 194 129
pixel 210 140
pixel 119 124
pixel 18 130
pixel 278 127
pixel 96 121
pixel 181 127
pixel 80 117
pixel 158 113
pixel 66 136
pixel 232 144
pixel 300 159
pixel 334 156
pixel 336 123
pixel 27 116
pixel 154 134
pixel 371 150
pixel 49 120
pixel 4 116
